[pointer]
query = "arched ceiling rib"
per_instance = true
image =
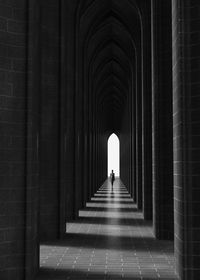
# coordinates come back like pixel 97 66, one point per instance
pixel 109 46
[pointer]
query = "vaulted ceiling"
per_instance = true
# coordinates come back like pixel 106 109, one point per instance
pixel 109 40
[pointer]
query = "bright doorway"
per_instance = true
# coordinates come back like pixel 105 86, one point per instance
pixel 114 155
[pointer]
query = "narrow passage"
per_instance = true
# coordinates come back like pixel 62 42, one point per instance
pixel 110 240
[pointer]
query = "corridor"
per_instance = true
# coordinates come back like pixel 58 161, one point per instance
pixel 109 240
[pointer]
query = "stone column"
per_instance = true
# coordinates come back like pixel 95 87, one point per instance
pixel 49 118
pixel 138 109
pixel 19 99
pixel 186 122
pixel 162 120
pixel 146 114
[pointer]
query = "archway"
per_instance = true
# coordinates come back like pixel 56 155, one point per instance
pixel 114 155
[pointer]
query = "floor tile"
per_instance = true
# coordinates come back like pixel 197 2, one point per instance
pixel 110 240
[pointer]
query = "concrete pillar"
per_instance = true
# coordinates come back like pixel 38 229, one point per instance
pixel 19 254
pixel 78 156
pixel 134 149
pixel 146 114
pixel 125 142
pixel 186 120
pixel 49 119
pixel 133 142
pixel 163 221
pixel 69 79
pixel 138 110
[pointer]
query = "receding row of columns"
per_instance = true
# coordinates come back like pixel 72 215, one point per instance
pixel 56 158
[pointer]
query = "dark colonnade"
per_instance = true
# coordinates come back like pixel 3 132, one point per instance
pixel 72 73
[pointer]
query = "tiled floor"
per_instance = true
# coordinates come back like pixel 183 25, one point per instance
pixel 110 240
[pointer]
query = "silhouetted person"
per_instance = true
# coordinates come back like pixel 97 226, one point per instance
pixel 112 178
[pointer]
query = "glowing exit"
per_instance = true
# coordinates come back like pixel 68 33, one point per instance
pixel 114 155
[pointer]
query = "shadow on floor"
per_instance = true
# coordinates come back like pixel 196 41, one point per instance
pixel 113 221
pixel 110 201
pixel 69 274
pixel 109 209
pixel 84 240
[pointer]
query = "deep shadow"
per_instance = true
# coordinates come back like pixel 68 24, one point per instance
pixel 109 209
pixel 111 242
pixel 113 221
pixel 64 274
pixel 111 192
pixel 111 201
pixel 112 196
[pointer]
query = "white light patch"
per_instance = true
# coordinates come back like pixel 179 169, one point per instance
pixel 114 155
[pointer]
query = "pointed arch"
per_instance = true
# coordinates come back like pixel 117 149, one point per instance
pixel 114 154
